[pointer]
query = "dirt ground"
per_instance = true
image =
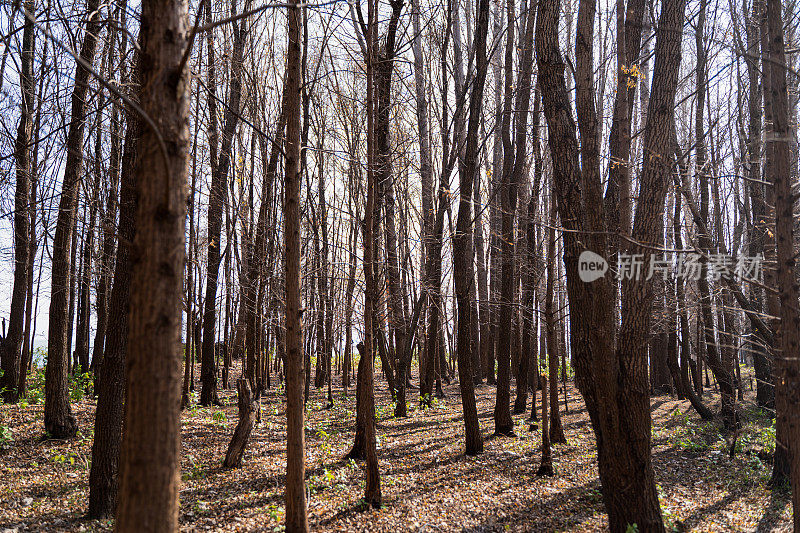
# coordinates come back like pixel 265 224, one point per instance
pixel 426 481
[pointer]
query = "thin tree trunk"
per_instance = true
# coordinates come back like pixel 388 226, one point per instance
pixel 218 197
pixel 722 372
pixel 546 465
pixel 58 418
pixel 372 490
pixel 553 338
pixel 10 347
pixel 765 389
pixel 503 423
pixel 295 494
pixel 249 413
pixel 463 271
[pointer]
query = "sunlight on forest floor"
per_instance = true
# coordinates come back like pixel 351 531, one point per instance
pixel 427 483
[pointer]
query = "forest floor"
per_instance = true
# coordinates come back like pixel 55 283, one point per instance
pixel 427 482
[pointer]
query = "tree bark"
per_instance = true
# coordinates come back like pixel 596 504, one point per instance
pixel 463 270
pixel 612 380
pixel 148 497
pixel 249 414
pixel 546 465
pixel 765 389
pixel 553 339
pixel 777 172
pixel 10 347
pixel 503 423
pixel 722 371
pixel 295 494
pixel 218 197
pixel 103 478
pixel 372 489
pixel 58 418
pixel 683 319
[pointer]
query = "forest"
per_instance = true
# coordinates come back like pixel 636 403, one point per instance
pixel 399 265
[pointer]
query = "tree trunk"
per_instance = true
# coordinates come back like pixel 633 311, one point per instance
pixel 109 219
pixel 58 418
pixel 612 381
pixel 553 339
pixel 463 271
pixel 683 320
pixel 10 347
pixel 372 490
pixel 495 213
pixel 503 423
pixel 351 284
pixel 546 466
pixel 722 372
pixel 218 197
pixel 148 499
pixel 765 389
pixel 359 451
pixel 84 304
pixel 295 493
pixel 777 172
pixel 249 414
pixel 103 478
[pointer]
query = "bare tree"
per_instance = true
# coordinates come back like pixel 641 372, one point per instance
pixel 776 172
pixel 58 418
pixel 11 346
pixel 463 271
pixel 295 493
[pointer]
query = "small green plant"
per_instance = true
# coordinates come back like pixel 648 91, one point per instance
pixel 194 407
pixel 80 384
pixel 428 400
pixel 219 417
pixel 61 459
pixel 196 472
pixel 35 386
pixel 759 437
pixel 6 436
pixel 71 459
pixel 384 412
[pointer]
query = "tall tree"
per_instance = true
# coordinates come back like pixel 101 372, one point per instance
pixel 10 348
pixel 722 370
pixel 554 339
pixel 777 172
pixel 372 489
pixel 516 177
pixel 613 380
pixel 765 390
pixel 463 270
pixel 103 474
pixel 110 211
pixel 295 493
pixel 148 497
pixel 218 198
pixel 58 418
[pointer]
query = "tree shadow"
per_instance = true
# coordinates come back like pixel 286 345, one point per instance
pixel 778 501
